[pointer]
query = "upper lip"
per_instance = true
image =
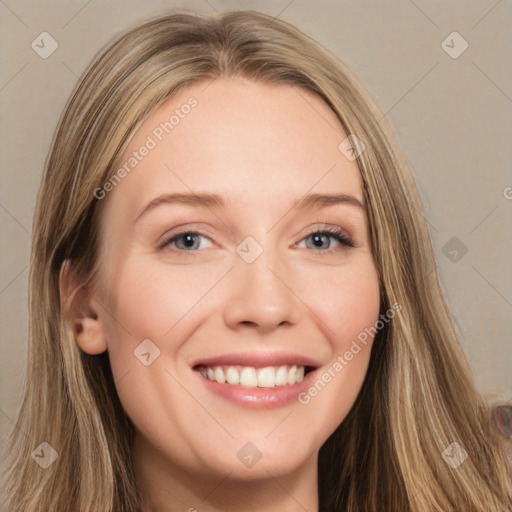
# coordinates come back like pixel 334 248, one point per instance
pixel 257 360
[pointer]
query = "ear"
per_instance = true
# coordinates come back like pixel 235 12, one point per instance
pixel 81 311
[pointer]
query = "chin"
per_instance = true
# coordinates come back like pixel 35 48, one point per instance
pixel 258 459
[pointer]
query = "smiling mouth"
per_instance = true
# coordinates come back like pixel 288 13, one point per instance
pixel 252 377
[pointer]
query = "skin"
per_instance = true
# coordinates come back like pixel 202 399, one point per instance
pixel 259 146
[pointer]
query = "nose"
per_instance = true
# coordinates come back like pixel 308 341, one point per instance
pixel 261 296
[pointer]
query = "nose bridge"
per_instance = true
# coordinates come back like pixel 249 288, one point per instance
pixel 260 293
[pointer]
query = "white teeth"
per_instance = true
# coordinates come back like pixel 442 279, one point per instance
pixel 266 377
pixel 250 377
pixel 281 376
pixel 292 375
pixel 232 376
pixel 219 375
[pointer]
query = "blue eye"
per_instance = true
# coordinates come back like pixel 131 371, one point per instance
pixel 324 236
pixel 190 241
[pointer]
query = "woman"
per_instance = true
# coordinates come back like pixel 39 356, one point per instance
pixel 194 343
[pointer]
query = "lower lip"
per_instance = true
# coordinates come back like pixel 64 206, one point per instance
pixel 265 398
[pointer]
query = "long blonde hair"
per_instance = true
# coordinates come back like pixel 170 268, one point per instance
pixel 418 396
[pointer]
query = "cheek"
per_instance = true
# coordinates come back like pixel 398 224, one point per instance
pixel 347 301
pixel 349 309
pixel 154 301
pixel 151 299
pixel 358 308
pixel 354 322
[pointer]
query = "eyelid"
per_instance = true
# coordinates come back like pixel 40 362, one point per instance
pixel 181 229
pixel 337 232
pixel 166 241
pixel 333 231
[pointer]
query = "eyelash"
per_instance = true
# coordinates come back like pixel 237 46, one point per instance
pixel 332 232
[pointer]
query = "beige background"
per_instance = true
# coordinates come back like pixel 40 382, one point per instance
pixel 453 119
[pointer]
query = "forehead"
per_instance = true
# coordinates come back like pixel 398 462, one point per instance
pixel 241 139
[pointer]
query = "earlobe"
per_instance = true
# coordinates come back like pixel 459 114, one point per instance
pixel 89 335
pixel 81 312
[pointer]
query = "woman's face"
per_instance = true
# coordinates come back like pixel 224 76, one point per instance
pixel 216 268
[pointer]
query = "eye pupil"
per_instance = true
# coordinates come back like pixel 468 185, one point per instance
pixel 320 240
pixel 317 240
pixel 189 240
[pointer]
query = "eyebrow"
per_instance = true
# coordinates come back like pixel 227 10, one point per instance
pixel 215 200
